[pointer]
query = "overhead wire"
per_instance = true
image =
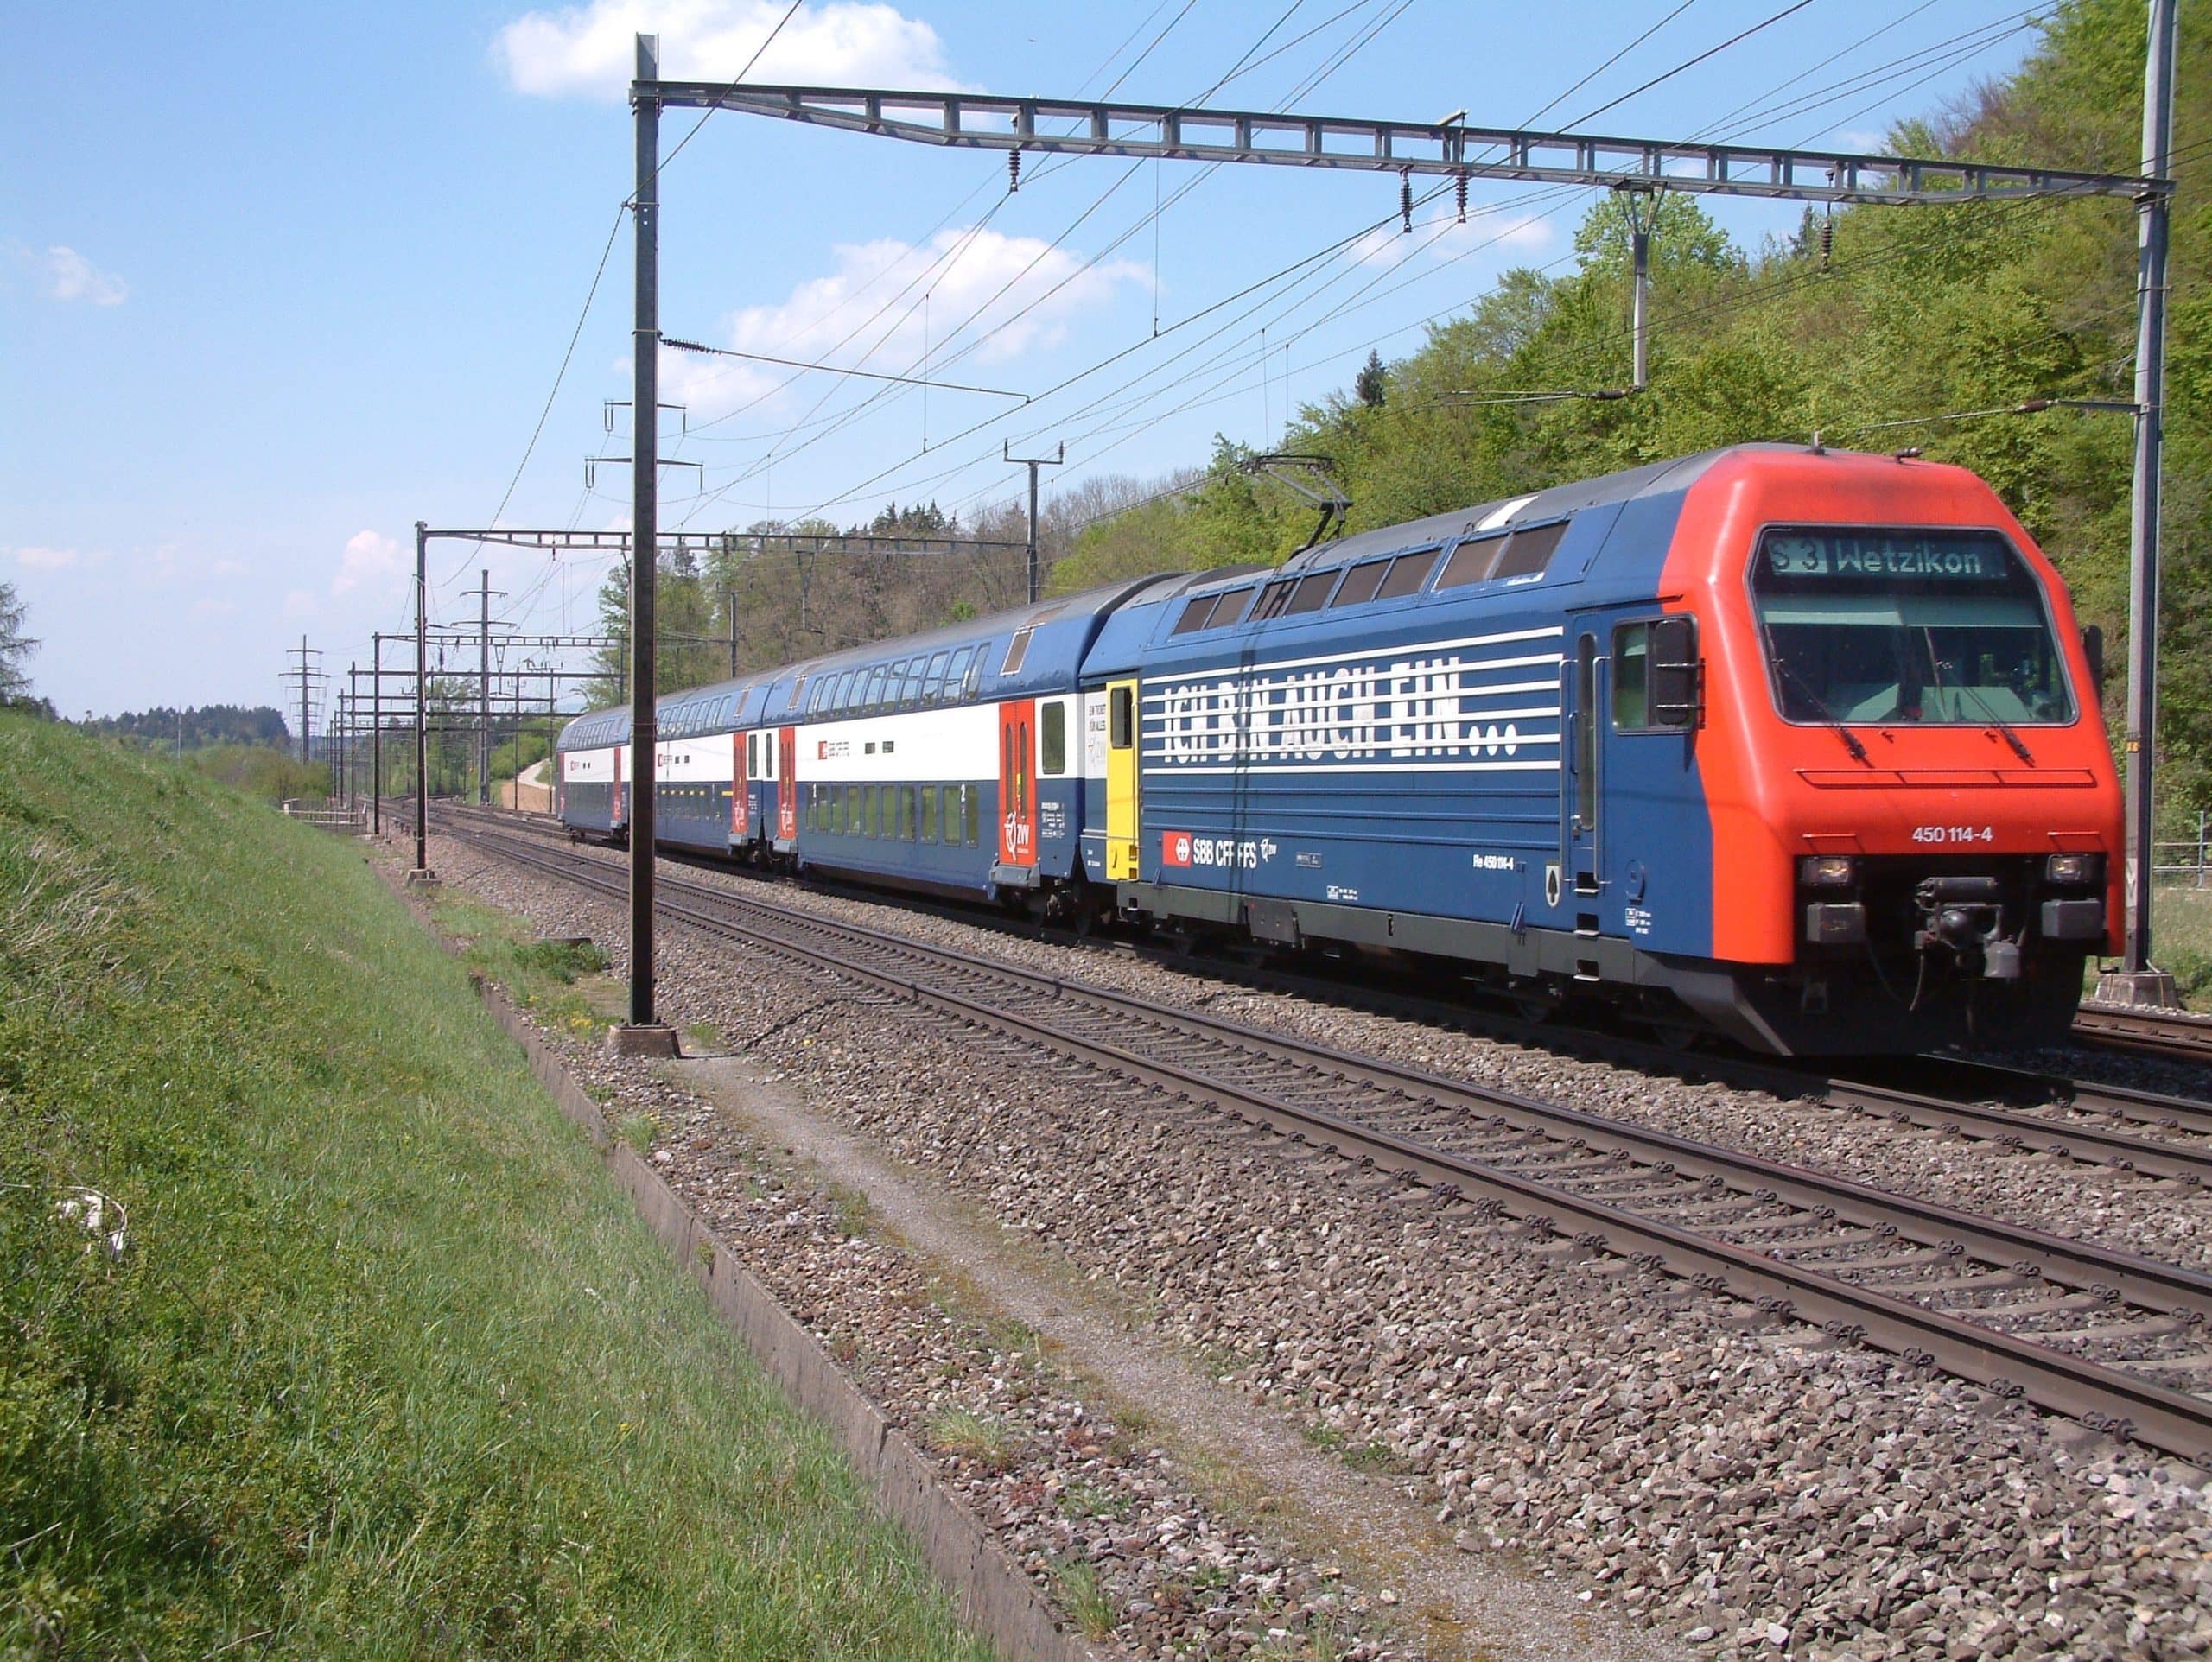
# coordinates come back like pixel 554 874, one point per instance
pixel 1341 56
pixel 1700 57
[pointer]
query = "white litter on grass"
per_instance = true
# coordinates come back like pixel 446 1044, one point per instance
pixel 100 1216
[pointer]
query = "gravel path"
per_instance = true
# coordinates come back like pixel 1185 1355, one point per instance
pixel 1743 1487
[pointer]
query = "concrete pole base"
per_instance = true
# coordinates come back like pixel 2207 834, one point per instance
pixel 422 877
pixel 2152 988
pixel 654 1040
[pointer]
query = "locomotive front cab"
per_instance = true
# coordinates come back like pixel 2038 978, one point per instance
pixel 1916 814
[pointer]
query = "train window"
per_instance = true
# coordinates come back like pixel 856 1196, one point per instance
pixel 1529 551
pixel 971 812
pixel 1121 717
pixel 1231 608
pixel 1361 582
pixel 933 682
pixel 1312 592
pixel 1272 598
pixel 1054 729
pixel 947 804
pixel 852 794
pixel 1194 615
pixel 1017 650
pixel 1471 562
pixel 929 813
pixel 1631 682
pixel 872 692
pixel 974 678
pixel 957 671
pixel 838 694
pixel 798 688
pixel 1407 573
pixel 912 697
pixel 906 815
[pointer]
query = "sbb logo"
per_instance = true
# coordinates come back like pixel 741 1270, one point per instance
pixel 1175 848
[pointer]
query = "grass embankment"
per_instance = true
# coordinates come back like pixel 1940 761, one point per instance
pixel 385 1366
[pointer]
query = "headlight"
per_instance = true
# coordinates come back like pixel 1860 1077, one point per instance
pixel 1826 871
pixel 2070 868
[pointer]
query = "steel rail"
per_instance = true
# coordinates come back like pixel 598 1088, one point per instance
pixel 2102 1396
pixel 2174 1036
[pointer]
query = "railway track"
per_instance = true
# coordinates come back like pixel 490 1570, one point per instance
pixel 2170 1035
pixel 2018 1108
pixel 2116 1340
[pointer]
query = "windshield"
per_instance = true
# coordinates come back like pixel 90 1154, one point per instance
pixel 1887 626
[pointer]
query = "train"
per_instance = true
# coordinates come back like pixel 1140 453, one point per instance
pixel 1795 747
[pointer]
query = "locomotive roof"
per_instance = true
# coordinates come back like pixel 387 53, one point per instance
pixel 1533 508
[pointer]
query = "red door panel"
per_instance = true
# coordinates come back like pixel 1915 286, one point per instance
pixel 1017 784
pixel 787 787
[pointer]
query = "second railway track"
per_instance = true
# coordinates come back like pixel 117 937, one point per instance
pixel 2117 1340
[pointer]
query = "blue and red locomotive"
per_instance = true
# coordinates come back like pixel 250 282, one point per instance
pixel 1798 746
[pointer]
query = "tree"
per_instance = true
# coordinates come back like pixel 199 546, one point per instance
pixel 1372 385
pixel 14 647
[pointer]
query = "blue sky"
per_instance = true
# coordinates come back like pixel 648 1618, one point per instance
pixel 277 281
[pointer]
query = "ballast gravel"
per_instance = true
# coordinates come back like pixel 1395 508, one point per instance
pixel 1745 1488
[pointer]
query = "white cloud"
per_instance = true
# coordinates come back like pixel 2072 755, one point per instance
pixel 1389 245
pixel 299 604
pixel 64 274
pixel 213 608
pixel 1046 290
pixel 45 559
pixel 370 557
pixel 228 566
pixel 590 49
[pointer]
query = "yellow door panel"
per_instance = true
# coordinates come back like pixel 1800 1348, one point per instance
pixel 1120 780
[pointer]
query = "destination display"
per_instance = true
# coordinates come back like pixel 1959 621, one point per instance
pixel 1857 555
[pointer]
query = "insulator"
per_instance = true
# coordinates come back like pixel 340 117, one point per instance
pixel 1013 171
pixel 1828 242
pixel 1406 196
pixel 1463 198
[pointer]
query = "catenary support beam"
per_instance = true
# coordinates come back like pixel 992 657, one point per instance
pixel 1450 149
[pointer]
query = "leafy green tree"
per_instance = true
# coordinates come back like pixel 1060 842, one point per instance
pixel 16 647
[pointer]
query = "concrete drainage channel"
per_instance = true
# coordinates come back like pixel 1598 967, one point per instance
pixel 993 1596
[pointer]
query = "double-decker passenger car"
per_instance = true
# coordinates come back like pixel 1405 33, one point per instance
pixel 1799 745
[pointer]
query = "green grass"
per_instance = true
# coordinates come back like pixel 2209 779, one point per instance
pixel 564 983
pixel 972 1436
pixel 1086 1596
pixel 2181 940
pixel 385 1367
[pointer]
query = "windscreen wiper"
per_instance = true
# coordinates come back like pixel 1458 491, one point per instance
pixel 1820 705
pixel 2019 745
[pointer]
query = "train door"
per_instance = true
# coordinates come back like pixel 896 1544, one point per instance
pixel 1017 783
pixel 614 801
pixel 1121 851
pixel 741 787
pixel 782 763
pixel 1582 782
